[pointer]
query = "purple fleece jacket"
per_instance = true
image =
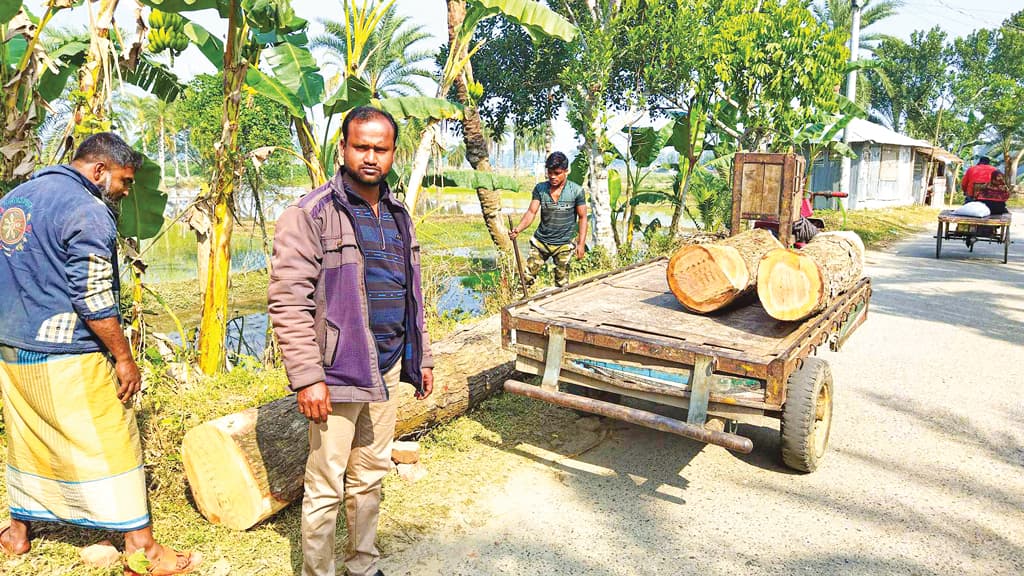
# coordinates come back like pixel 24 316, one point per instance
pixel 318 304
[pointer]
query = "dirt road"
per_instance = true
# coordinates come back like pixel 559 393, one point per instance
pixel 925 473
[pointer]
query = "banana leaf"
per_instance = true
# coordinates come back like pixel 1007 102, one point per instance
pixel 8 9
pixel 472 179
pixel 223 7
pixel 211 46
pixel 353 93
pixel 614 188
pixel 420 107
pixel 155 78
pixel 296 70
pixel 579 168
pixel 15 50
pixel 537 19
pixel 259 82
pixel 646 143
pixel 142 212
pixel 68 58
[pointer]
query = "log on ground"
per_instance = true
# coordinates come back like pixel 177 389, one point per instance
pixel 796 284
pixel 709 277
pixel 244 467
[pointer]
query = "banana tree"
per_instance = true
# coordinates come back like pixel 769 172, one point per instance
pixel 28 74
pixel 463 18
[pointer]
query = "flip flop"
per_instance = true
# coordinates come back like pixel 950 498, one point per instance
pixel 167 564
pixel 4 528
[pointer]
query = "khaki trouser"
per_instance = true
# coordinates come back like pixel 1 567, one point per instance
pixel 348 455
pixel 540 252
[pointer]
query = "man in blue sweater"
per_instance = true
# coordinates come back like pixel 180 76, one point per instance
pixel 66 370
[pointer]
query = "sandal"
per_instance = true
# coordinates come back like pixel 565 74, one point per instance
pixel 4 528
pixel 167 563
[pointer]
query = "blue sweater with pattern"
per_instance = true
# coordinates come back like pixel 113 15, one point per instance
pixel 58 263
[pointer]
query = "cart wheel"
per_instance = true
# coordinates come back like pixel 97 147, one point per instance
pixel 807 415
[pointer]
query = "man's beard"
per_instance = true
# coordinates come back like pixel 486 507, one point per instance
pixel 114 205
pixel 355 175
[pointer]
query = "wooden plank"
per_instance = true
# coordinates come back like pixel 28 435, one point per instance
pixel 1000 220
pixel 751 412
pixel 700 390
pixel 533 345
pixel 553 357
pixel 753 179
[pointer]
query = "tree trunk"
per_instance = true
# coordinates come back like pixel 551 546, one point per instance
pixel 311 152
pixel 795 284
pixel 709 277
pixel 420 162
pixel 244 467
pixel 163 154
pixel 217 207
pixel 1012 163
pixel 473 135
pixel 599 195
pixel 177 167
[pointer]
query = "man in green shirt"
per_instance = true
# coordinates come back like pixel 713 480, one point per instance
pixel 562 204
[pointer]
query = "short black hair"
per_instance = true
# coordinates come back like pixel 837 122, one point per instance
pixel 364 113
pixel 984 160
pixel 109 148
pixel 556 161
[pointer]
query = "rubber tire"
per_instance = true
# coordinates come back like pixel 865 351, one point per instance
pixel 801 447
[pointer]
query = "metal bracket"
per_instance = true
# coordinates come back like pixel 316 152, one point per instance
pixel 553 358
pixel 700 390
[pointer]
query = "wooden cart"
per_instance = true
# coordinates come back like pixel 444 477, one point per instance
pixel 971 230
pixel 624 333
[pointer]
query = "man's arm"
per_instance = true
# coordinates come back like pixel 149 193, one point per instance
pixel 89 235
pixel 581 240
pixel 295 266
pixel 526 220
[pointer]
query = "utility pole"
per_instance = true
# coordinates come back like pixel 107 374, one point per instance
pixel 851 91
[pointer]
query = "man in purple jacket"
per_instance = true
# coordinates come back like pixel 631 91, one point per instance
pixel 347 308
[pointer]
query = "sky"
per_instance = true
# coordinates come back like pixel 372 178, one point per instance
pixel 956 17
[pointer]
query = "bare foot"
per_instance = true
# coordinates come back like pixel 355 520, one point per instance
pixel 14 538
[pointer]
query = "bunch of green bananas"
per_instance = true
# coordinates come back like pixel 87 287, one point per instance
pixel 166 32
pixel 268 15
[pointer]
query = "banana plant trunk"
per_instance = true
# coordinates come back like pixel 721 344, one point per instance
pixel 311 152
pixel 420 161
pixel 217 207
pixel 473 135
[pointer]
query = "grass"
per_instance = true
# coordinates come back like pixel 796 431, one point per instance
pixel 481 446
pixel 467 458
pixel 881 228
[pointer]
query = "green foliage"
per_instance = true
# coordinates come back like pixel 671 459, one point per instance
pixel 142 212
pixel 294 66
pixel 262 122
pixel 8 8
pixel 472 180
pixel 712 199
pixel 911 81
pixel 519 77
pixel 536 18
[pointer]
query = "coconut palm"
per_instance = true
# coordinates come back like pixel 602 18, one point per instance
pixel 390 63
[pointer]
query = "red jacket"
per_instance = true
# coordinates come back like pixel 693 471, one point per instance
pixel 977 174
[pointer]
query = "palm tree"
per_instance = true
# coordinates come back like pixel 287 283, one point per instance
pixel 838 15
pixel 390 64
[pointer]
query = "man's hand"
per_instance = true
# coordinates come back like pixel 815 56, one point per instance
pixel 513 233
pixel 129 378
pixel 581 250
pixel 428 384
pixel 315 402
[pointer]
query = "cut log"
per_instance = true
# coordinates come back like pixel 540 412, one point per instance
pixel 709 277
pixel 795 284
pixel 244 467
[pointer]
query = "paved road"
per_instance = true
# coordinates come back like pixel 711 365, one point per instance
pixel 925 473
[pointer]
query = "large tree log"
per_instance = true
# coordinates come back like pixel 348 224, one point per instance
pixel 709 277
pixel 244 467
pixel 795 284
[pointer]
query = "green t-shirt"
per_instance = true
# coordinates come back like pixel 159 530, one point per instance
pixel 558 219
